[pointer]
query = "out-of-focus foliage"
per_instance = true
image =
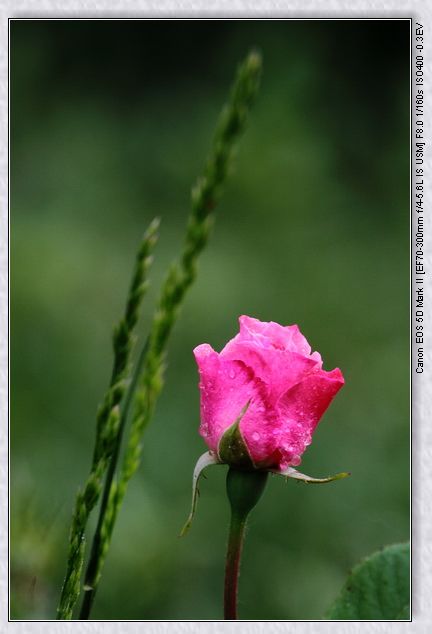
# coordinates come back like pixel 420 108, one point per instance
pixel 378 588
pixel 111 122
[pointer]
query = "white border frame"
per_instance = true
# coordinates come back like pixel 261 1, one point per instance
pixel 421 401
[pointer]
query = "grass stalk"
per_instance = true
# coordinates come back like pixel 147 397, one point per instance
pixel 107 425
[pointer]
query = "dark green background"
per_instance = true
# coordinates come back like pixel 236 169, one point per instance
pixel 110 124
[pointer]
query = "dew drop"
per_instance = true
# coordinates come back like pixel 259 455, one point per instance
pixel 256 436
pixel 286 446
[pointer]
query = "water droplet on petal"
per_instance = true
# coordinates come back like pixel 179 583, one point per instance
pixel 288 447
pixel 256 436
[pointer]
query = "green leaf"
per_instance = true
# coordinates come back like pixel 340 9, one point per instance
pixel 377 589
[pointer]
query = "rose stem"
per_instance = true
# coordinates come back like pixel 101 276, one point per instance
pixel 235 543
pixel 244 489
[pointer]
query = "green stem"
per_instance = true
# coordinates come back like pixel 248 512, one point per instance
pixel 232 568
pixel 244 489
pixel 90 580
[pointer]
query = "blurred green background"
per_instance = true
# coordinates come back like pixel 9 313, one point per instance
pixel 110 125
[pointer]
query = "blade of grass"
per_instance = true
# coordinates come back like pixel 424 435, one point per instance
pixel 107 426
pixel 150 369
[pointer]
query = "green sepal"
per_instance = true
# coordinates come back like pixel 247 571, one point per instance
pixel 206 460
pixel 232 448
pixel 289 472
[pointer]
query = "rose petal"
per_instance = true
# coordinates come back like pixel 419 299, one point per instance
pixel 300 410
pixel 278 369
pixel 257 427
pixel 271 334
pixel 226 386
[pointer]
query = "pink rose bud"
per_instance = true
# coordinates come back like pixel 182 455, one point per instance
pixel 267 379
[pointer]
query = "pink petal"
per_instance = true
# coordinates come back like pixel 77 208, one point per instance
pixel 300 410
pixel 279 369
pixel 270 334
pixel 226 386
pixel 257 428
